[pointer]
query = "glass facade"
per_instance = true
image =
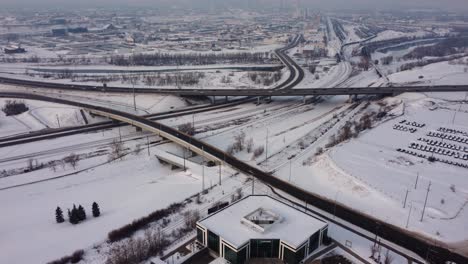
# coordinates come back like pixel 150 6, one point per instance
pixel 213 241
pixel 264 248
pixel 314 242
pixel 200 236
pixel 291 257
pixel 235 257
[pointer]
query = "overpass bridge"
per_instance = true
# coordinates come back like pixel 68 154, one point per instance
pixel 421 246
pixel 311 91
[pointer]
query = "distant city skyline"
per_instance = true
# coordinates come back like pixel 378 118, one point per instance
pixel 457 5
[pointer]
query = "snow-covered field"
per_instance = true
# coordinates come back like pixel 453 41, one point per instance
pixel 125 190
pixel 370 175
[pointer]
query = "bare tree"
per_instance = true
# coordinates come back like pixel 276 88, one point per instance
pixel 191 218
pixel 72 159
pixel 250 145
pixel 117 150
pixel 138 149
pixel 187 128
pixel 52 166
pixel 30 164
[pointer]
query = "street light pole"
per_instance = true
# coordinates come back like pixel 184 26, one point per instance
pixel 425 201
pixel 290 169
pixel 334 209
pixel 134 97
pixel 409 215
pixel 266 148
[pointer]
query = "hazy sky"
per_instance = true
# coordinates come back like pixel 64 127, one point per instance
pixel 342 4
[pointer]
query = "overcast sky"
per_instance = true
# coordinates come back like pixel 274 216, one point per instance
pixel 328 4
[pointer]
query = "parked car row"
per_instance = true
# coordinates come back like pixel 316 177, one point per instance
pixel 443 144
pixel 452 131
pixel 414 124
pixel 420 155
pixel 404 128
pixel 448 137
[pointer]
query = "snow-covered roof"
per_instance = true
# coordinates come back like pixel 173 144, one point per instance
pixel 293 227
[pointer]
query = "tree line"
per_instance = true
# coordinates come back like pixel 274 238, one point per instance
pixel 169 59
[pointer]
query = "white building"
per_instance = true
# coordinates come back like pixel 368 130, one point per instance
pixel 261 227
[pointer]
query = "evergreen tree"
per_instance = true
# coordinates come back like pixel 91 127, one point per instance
pixel 74 219
pixel 59 215
pixel 69 213
pixel 81 213
pixel 96 211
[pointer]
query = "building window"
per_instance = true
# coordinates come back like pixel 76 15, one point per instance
pixel 200 236
pixel 314 242
pixel 326 240
pixel 213 241
pixel 261 248
pixel 291 257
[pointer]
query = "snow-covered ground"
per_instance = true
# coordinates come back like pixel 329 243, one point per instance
pixel 146 103
pixel 442 73
pixel 334 76
pixel 370 175
pixel 41 116
pixel 125 190
pixel 391 34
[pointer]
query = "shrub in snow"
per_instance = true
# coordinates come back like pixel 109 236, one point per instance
pixel 137 250
pixel 187 128
pixel 258 151
pixel 191 218
pixel 96 210
pixel 14 108
pixel 59 215
pixel 76 257
pixel 72 159
pixel 117 151
pixel 81 213
pixel 130 229
pixel 452 188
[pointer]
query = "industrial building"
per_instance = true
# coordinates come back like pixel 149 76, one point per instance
pixel 260 226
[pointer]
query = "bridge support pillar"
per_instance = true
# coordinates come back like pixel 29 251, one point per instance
pixel 352 98
pixel 304 99
pixel 226 99
pixel 258 100
pixel 213 99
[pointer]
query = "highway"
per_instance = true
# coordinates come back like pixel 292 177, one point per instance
pixel 424 248
pixel 295 77
pixel 284 89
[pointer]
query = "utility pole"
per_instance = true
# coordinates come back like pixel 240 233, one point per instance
pixel 334 209
pixel 147 140
pixel 290 169
pixel 416 184
pixel 409 215
pixel 266 148
pixel 58 120
pixel 253 184
pixel 120 135
pixel 134 97
pixel 406 197
pixel 203 169
pixel 193 121
pixel 220 174
pixel 185 168
pixel 425 202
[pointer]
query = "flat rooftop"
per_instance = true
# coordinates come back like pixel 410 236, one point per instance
pixel 288 224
